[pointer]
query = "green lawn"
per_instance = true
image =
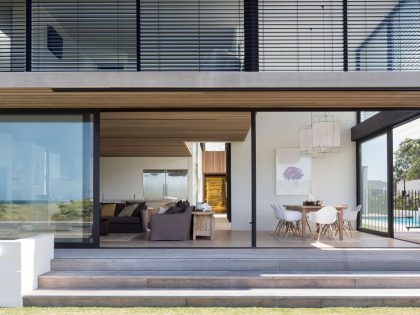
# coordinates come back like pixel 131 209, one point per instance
pixel 206 311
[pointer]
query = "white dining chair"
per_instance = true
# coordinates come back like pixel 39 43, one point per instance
pixel 291 220
pixel 278 213
pixel 350 216
pixel 324 219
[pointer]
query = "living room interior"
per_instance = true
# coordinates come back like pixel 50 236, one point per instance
pixel 156 166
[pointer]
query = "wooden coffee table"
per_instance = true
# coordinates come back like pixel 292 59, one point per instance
pixel 203 224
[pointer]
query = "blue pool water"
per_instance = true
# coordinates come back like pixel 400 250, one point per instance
pixel 407 221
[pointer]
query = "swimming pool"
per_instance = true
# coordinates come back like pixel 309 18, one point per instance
pixel 398 221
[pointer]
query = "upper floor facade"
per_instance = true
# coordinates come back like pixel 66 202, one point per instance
pixel 204 35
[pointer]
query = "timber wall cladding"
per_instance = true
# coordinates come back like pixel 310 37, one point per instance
pixel 194 99
pixel 214 162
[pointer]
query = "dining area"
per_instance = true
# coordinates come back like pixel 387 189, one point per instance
pixel 315 220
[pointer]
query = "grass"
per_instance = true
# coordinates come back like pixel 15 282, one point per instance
pixel 207 311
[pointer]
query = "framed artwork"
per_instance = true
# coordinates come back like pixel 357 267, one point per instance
pixel 293 172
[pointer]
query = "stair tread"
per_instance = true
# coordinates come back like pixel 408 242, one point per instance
pixel 229 274
pixel 184 293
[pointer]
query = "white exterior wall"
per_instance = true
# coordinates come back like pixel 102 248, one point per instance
pixel 21 262
pixel 122 177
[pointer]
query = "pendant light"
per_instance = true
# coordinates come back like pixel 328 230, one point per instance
pixel 326 133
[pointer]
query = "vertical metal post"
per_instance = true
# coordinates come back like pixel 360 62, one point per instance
pixel 390 176
pixel 251 44
pixel 138 35
pixel 358 184
pixel 253 180
pixel 345 38
pixel 390 47
pixel 96 179
pixel 28 43
pixel 228 181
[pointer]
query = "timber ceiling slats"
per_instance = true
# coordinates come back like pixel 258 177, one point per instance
pixel 168 133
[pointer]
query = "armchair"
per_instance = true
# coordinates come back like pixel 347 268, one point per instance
pixel 171 227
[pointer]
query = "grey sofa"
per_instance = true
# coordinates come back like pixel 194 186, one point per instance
pixel 171 227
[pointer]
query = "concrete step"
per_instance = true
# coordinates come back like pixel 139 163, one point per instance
pixel 222 280
pixel 287 297
pixel 275 264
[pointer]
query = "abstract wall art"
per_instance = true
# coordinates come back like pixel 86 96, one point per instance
pixel 293 172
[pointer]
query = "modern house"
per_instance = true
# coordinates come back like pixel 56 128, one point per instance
pixel 121 119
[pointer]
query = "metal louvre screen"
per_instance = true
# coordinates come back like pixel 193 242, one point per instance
pixel 204 35
pixel 12 35
pixel 196 35
pixel 384 35
pixel 300 35
pixel 84 35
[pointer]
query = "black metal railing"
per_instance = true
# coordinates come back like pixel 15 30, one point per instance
pixel 406 210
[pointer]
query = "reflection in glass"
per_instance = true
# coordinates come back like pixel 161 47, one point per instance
pixel 374 184
pixel 46 176
pixel 406 148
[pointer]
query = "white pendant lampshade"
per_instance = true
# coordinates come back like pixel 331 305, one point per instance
pixel 326 133
pixel 305 139
pixel 305 142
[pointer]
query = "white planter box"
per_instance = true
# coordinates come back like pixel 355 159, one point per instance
pixel 21 262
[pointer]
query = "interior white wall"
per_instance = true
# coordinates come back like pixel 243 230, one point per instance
pixel 333 176
pixel 241 184
pixel 122 177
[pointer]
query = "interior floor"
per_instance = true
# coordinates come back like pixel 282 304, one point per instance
pixel 224 237
pixel 408 236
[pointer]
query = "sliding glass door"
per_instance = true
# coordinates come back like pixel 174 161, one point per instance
pixel 46 177
pixel 373 174
pixel 406 196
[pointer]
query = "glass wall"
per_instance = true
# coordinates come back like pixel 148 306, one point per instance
pixel 374 184
pixel 406 149
pixel 287 177
pixel 46 176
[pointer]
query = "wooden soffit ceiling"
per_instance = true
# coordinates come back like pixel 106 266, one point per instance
pixel 48 98
pixel 168 133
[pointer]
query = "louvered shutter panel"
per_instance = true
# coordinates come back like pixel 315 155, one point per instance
pixel 196 35
pixel 84 35
pixel 12 35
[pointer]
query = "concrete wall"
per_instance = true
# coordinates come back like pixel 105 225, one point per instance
pixel 333 176
pixel 122 177
pixel 21 262
pixel 241 184
pixel 208 79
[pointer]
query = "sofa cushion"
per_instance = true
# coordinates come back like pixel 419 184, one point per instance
pixel 108 209
pixel 118 208
pixel 173 210
pixel 128 210
pixel 123 220
pixel 162 210
pixel 183 204
pixel 141 205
